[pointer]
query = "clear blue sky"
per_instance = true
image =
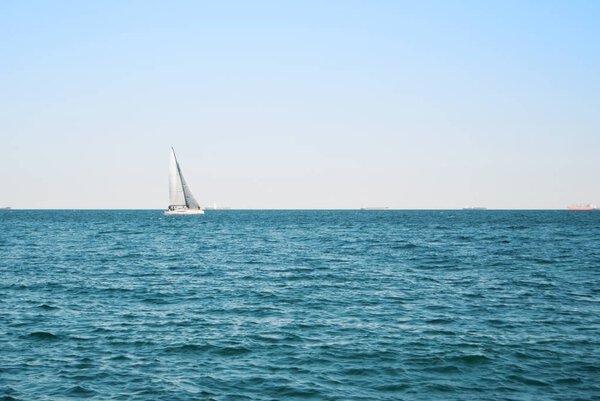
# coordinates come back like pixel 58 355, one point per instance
pixel 276 104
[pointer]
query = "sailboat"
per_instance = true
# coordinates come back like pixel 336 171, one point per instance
pixel 180 197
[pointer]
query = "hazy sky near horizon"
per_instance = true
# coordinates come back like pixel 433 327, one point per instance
pixel 307 104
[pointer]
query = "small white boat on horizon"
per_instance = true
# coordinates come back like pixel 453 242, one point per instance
pixel 181 200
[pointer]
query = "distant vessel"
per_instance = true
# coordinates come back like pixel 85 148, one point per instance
pixel 5 208
pixel 375 208
pixel 582 207
pixel 215 207
pixel 474 208
pixel 180 197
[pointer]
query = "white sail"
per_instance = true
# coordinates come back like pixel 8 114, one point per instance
pixel 190 201
pixel 176 196
pixel 180 196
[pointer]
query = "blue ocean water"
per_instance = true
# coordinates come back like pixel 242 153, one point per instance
pixel 289 305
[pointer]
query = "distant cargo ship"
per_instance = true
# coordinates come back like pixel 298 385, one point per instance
pixel 5 208
pixel 474 208
pixel 375 208
pixel 582 207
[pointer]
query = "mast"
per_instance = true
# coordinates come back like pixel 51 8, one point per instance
pixel 180 177
pixel 176 195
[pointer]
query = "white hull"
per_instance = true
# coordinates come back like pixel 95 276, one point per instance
pixel 184 211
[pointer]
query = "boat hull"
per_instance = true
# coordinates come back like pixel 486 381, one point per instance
pixel 183 212
pixel 582 207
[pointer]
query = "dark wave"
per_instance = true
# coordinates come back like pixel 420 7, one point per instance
pixel 43 335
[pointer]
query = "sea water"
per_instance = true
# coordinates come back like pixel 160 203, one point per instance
pixel 290 305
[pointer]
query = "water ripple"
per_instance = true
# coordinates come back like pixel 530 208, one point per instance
pixel 319 305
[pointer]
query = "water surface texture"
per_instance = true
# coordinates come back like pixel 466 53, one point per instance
pixel 290 305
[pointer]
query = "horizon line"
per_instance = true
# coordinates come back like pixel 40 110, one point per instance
pixel 303 209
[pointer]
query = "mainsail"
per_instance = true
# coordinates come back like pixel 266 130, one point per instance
pixel 180 195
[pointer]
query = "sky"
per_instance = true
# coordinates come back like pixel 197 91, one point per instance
pixel 300 104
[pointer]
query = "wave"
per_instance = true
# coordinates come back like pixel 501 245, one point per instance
pixel 44 336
